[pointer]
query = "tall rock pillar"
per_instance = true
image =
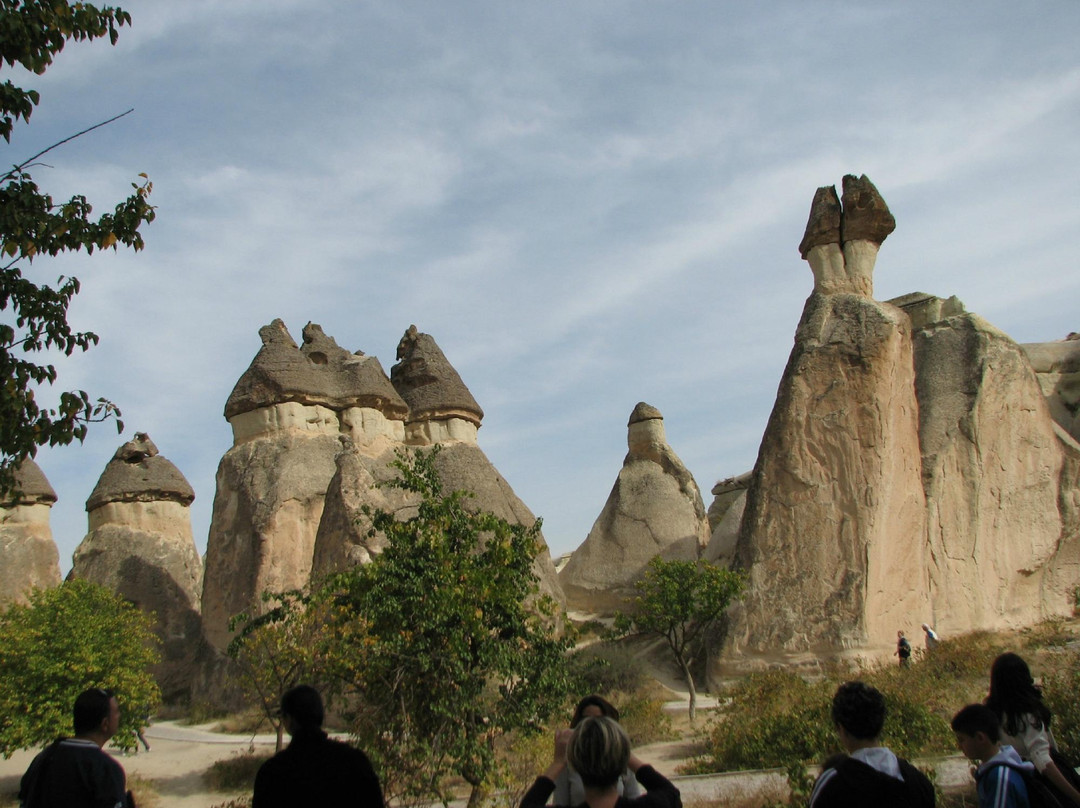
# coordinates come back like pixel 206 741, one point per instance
pixel 833 536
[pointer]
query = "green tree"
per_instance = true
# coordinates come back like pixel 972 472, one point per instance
pixel 680 601
pixel 67 639
pixel 442 642
pixel 278 650
pixel 33 313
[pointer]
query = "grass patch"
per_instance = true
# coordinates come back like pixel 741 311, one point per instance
pixel 236 773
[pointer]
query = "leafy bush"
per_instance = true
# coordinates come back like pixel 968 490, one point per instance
pixel 605 668
pixel 236 773
pixel 641 713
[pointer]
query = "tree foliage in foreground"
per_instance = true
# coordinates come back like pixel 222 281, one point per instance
pixel 33 313
pixel 441 645
pixel 67 639
pixel 679 601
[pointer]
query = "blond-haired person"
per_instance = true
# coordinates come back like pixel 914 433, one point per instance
pixel 599 751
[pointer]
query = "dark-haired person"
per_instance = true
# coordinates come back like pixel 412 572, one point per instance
pixel 1025 721
pixel 569 790
pixel 313 769
pixel 999 777
pixel 599 750
pixel 869 774
pixel 76 772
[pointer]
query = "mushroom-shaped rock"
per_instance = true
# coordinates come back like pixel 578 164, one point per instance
pixel 823 227
pixel 28 555
pixel 319 373
pixel 843 236
pixel 430 386
pixel 655 508
pixel 140 545
pixel 137 473
pixel 865 215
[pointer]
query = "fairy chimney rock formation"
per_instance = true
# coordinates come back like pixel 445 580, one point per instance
pixel 441 408
pixel 725 518
pixel 28 555
pixel 833 536
pixel 288 412
pixel 843 236
pixel 655 508
pixel 140 545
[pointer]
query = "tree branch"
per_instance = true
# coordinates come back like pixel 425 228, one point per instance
pixel 22 166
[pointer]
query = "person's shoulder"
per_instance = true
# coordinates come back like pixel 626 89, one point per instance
pixel 920 788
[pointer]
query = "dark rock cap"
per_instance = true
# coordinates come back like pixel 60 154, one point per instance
pixel 865 216
pixel 428 382
pixel 31 486
pixel 644 412
pixel 319 372
pixel 137 473
pixel 823 227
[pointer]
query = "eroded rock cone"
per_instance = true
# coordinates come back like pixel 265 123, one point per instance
pixel 655 508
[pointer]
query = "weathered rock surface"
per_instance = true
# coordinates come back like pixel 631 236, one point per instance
pixel 725 519
pixel 290 413
pixel 1003 549
pixel 833 538
pixel 139 545
pixel 1057 368
pixel 655 508
pixel 28 555
pixel 430 385
pixel 910 472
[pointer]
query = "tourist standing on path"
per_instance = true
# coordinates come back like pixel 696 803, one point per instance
pixel 569 789
pixel 931 637
pixel 1025 721
pixel 903 649
pixel 77 772
pixel 599 751
pixel 869 774
pixel 313 769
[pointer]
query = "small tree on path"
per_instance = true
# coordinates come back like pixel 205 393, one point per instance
pixel 680 601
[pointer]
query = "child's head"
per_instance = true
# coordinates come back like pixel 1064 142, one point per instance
pixel 859 709
pixel 978 732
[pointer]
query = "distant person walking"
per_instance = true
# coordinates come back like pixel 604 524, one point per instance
pixel 76 772
pixel 313 769
pixel 903 649
pixel 931 637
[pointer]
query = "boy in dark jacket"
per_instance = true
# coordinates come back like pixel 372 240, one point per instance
pixel 999 779
pixel 869 774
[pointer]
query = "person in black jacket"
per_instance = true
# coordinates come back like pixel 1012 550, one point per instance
pixel 869 774
pixel 313 769
pixel 599 750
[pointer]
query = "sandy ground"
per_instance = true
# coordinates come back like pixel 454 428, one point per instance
pixel 181 755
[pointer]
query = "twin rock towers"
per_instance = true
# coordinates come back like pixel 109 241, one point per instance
pixel 918 466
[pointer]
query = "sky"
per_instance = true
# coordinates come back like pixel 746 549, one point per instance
pixel 586 204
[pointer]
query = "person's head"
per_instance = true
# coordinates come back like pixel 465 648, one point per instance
pixel 899 635
pixel 598 751
pixel 302 709
pixel 1014 697
pixel 977 731
pixel 925 627
pixel 859 710
pixel 96 712
pixel 593 707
